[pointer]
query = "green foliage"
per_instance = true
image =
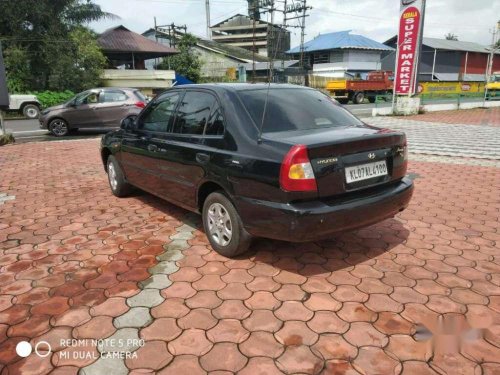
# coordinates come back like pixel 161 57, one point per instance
pixel 185 63
pixel 46 46
pixel 52 98
pixel 6 139
pixel 451 36
pixel 80 67
pixel 17 70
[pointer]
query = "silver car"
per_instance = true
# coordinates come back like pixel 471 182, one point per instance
pixel 95 108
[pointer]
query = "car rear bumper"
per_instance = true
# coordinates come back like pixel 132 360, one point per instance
pixel 310 221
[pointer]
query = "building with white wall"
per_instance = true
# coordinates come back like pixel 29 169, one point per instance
pixel 341 53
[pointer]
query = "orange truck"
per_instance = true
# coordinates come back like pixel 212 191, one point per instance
pixel 356 90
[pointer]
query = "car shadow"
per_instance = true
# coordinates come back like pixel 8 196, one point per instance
pixel 309 258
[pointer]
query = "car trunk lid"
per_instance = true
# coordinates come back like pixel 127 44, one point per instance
pixel 346 159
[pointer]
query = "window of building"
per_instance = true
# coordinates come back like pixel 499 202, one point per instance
pixel 321 57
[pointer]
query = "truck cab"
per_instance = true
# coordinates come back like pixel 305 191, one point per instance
pixel 493 86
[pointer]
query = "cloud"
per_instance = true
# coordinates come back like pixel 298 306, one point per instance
pixel 375 19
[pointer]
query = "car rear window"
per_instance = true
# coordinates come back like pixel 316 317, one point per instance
pixel 295 109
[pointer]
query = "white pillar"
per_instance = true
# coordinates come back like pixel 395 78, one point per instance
pixel 434 65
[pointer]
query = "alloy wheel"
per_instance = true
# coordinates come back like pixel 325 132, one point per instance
pixel 219 224
pixel 59 128
pixel 113 181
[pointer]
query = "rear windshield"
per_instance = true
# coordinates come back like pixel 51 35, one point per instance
pixel 295 109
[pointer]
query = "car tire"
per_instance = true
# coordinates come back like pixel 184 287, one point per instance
pixel 223 226
pixel 119 186
pixel 359 98
pixel 343 101
pixel 371 99
pixel 31 111
pixel 59 128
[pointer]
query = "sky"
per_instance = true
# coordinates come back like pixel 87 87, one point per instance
pixel 470 20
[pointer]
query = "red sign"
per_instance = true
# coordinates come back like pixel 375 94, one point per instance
pixel 408 48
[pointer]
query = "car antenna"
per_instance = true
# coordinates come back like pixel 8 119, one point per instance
pixel 261 128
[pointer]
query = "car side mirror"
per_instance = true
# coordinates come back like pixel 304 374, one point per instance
pixel 128 123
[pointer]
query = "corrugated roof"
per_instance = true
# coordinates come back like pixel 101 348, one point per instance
pixel 454 45
pixel 341 40
pixel 450 45
pixel 233 52
pixel 121 39
pixel 266 65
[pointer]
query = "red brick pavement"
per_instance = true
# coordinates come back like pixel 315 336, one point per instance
pixel 383 300
pixel 478 116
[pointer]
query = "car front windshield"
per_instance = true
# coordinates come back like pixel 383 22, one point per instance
pixel 291 109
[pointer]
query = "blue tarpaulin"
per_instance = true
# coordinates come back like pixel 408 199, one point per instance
pixel 181 80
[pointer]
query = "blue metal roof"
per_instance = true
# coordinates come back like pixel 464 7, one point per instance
pixel 342 40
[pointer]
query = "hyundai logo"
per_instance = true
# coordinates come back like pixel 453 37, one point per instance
pixel 371 155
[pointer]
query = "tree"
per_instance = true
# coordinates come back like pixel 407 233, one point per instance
pixel 80 66
pixel 44 41
pixel 186 62
pixel 451 36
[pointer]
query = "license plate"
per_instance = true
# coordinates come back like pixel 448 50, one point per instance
pixel 365 171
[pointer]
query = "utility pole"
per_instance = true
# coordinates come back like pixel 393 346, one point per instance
pixel 254 10
pixel 300 8
pixel 207 6
pixel 285 25
pixel 274 44
pixel 303 33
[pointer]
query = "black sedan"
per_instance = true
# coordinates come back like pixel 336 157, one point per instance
pixel 278 161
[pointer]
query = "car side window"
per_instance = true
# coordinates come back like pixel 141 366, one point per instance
pixel 84 97
pixel 193 113
pixel 92 98
pixel 112 97
pixel 215 124
pixel 159 114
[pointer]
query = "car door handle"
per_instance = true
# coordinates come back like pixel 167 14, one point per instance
pixel 202 158
pixel 152 148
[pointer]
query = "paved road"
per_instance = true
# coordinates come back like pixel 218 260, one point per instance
pixel 89 266
pixel 29 131
pixel 365 110
pixel 456 140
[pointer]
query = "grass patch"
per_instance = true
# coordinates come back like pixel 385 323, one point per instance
pixel 6 139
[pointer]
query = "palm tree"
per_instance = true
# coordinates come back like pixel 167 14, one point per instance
pixel 77 12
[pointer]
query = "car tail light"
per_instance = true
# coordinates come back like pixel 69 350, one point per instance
pixel 296 171
pixel 140 104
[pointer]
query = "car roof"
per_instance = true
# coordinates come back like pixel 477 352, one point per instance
pixel 236 87
pixel 112 88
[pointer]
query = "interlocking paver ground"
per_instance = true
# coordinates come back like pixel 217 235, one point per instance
pixel 477 116
pixel 388 299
